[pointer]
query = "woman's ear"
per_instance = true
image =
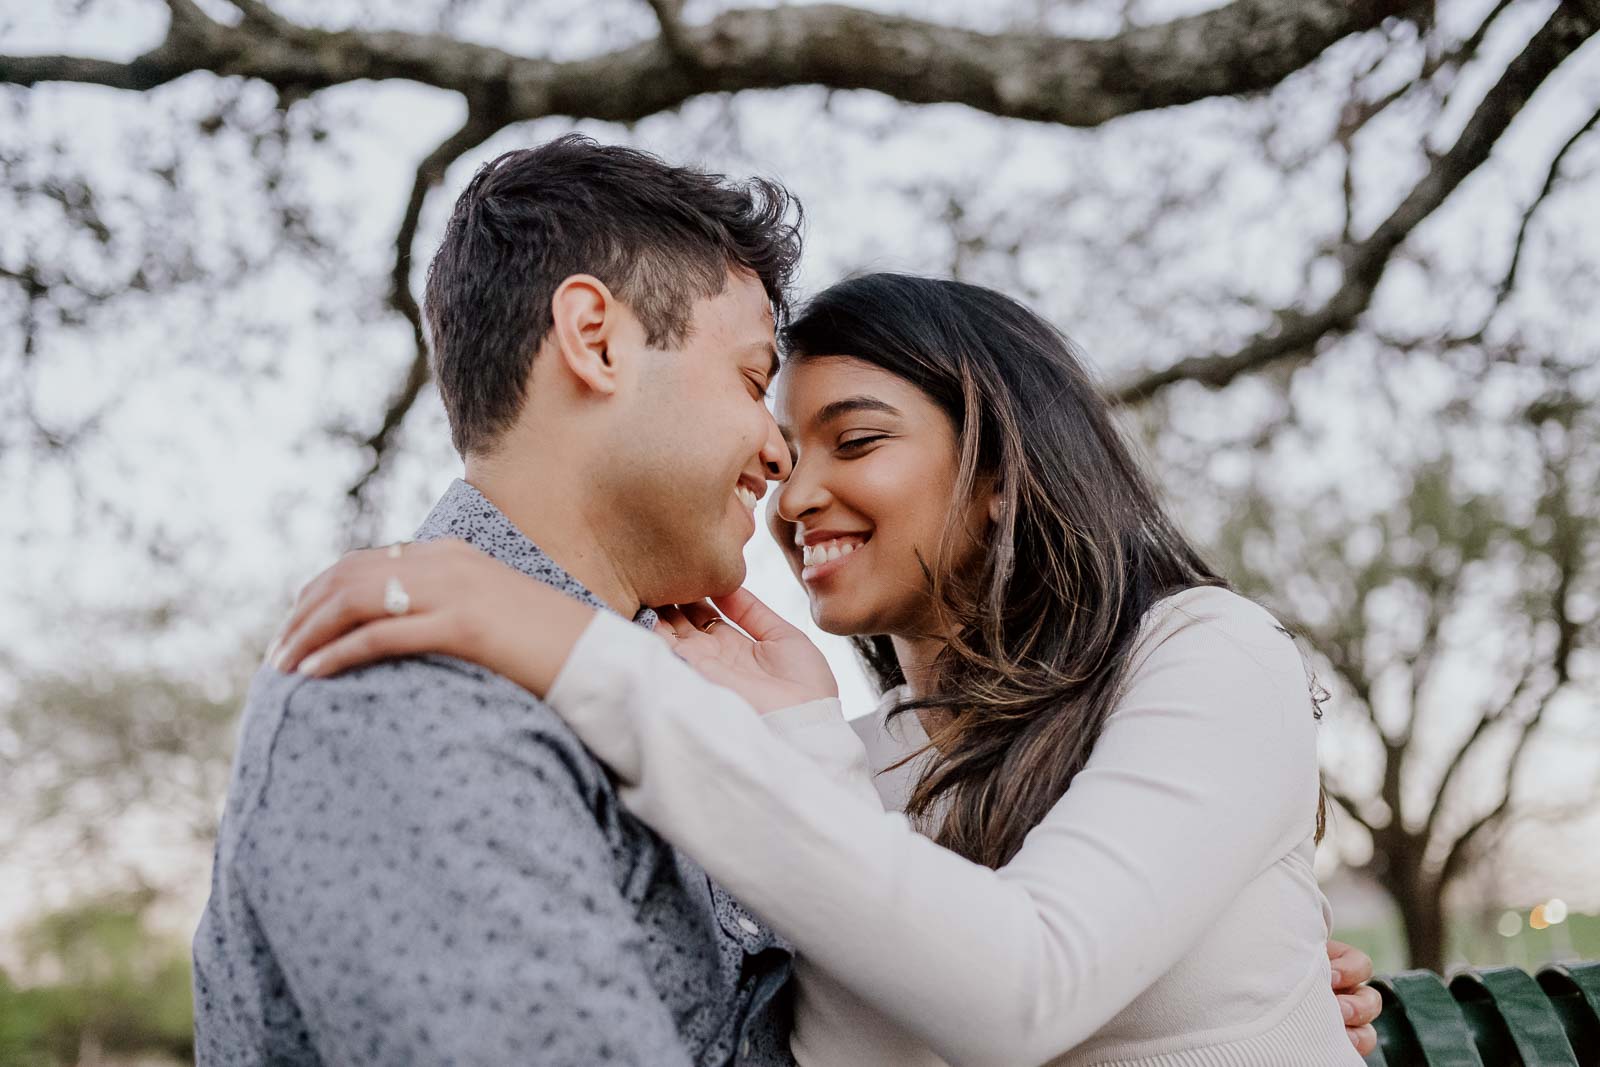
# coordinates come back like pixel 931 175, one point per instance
pixel 585 316
pixel 996 506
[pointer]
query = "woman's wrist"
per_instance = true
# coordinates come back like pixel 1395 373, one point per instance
pixel 816 712
pixel 528 635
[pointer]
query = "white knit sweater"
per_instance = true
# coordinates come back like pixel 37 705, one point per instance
pixel 1163 914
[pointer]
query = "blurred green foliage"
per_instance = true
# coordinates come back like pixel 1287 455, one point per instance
pixel 110 990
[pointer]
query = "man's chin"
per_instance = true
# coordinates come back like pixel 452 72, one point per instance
pixel 730 579
pixel 714 578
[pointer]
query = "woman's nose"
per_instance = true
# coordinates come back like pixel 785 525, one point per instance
pixel 800 495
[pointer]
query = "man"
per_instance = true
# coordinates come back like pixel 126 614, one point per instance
pixel 418 862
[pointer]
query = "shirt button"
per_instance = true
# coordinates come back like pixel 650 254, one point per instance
pixel 748 927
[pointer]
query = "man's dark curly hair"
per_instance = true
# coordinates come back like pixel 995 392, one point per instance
pixel 660 236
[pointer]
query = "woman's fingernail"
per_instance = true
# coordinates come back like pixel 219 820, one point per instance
pixel 310 664
pixel 1355 1039
pixel 1348 1009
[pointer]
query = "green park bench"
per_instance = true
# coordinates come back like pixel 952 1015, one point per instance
pixel 1490 1017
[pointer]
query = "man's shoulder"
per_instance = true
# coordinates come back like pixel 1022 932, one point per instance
pixel 430 685
pixel 448 700
pixel 410 719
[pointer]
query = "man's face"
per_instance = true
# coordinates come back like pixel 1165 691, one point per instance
pixel 710 446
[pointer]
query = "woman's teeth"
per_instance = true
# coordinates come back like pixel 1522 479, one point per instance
pixel 827 552
pixel 746 497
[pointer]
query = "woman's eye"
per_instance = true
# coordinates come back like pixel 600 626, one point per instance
pixel 855 443
pixel 759 386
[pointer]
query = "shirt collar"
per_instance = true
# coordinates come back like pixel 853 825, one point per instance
pixel 465 513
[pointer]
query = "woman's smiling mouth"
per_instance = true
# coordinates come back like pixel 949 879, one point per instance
pixel 823 557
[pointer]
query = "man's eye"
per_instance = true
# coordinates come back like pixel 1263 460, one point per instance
pixel 759 386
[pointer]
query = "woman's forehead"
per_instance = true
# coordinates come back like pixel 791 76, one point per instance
pixel 808 384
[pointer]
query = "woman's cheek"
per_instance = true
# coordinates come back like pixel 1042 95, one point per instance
pixel 905 500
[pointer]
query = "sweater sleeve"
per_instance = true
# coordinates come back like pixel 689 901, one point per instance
pixel 832 1026
pixel 819 731
pixel 1203 776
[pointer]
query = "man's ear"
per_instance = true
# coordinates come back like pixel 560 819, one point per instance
pixel 585 316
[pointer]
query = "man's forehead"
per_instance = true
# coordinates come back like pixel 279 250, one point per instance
pixel 740 310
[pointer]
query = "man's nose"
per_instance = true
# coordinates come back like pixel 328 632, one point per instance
pixel 775 460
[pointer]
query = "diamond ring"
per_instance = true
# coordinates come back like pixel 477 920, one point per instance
pixel 396 601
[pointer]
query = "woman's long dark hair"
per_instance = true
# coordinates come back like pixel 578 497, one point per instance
pixel 1042 629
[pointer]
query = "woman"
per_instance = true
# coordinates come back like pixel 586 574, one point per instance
pixel 1111 757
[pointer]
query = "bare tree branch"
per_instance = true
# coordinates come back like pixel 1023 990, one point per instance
pixel 1348 803
pixel 1246 46
pixel 1392 789
pixel 262 15
pixel 669 15
pixel 1340 645
pixel 1489 718
pixel 1295 333
pixel 1461 848
pixel 1503 291
pixel 1360 112
pixel 430 172
pixel 1566 551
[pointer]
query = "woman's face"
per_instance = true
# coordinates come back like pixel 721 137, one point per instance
pixel 875 466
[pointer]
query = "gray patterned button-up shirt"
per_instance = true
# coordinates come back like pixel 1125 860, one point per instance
pixel 420 864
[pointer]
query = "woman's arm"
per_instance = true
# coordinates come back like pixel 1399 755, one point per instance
pixel 449 598
pixel 988 967
pixel 1195 784
pixel 818 731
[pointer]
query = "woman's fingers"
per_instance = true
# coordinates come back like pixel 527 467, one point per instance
pixel 314 603
pixel 342 610
pixel 385 638
pixel 353 591
pixel 673 618
pixel 692 644
pixel 305 602
pixel 1360 1006
pixel 1350 965
pixel 752 616
pixel 700 613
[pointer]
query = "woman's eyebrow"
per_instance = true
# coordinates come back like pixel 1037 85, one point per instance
pixel 850 405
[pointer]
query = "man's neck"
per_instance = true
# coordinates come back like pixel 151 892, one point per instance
pixel 551 511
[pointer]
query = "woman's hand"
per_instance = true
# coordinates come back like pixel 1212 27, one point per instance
pixel 1358 1003
pixel 437 596
pixel 779 668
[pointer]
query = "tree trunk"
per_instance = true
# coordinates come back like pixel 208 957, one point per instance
pixel 1422 910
